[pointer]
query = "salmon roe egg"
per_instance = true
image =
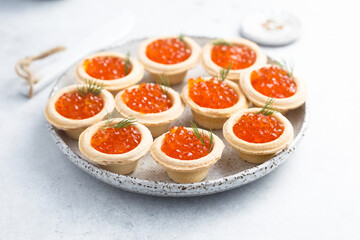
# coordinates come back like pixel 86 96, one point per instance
pixel 273 82
pixel 239 56
pixel 168 51
pixel 212 93
pixel 106 67
pixel 258 128
pixel 116 140
pixel 147 98
pixel 76 106
pixel 182 144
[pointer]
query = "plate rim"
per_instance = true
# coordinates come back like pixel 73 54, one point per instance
pixel 155 188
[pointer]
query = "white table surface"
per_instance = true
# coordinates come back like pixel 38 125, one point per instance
pixel 314 195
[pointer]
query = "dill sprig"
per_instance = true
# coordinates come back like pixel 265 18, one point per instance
pixel 201 136
pixel 181 37
pixel 211 141
pixel 127 63
pixel 124 123
pixel 221 42
pixel 224 72
pixel 110 117
pixel 268 108
pixel 286 65
pixel 164 84
pixel 91 87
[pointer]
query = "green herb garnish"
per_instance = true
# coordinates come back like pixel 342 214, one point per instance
pixel 201 136
pixel 91 87
pixel 127 63
pixel 224 72
pixel 164 84
pixel 221 42
pixel 268 108
pixel 124 123
pixel 211 141
pixel 286 65
pixel 181 37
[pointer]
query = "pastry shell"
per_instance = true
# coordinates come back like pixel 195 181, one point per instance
pixel 234 75
pixel 211 118
pixel 187 171
pixel 281 104
pixel 175 72
pixel 115 85
pixel 158 123
pixel 258 152
pixel 119 163
pixel 74 127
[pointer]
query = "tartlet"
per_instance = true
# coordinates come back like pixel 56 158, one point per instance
pixel 123 163
pixel 283 102
pixel 262 151
pixel 187 171
pixel 214 118
pixel 113 81
pixel 157 122
pixel 74 127
pixel 175 70
pixel 258 57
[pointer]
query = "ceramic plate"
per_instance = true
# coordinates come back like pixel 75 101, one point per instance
pixel 151 179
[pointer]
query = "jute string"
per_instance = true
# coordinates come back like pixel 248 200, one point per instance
pixel 22 67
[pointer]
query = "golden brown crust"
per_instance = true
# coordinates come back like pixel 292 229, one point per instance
pixel 63 123
pixel 187 166
pixel 175 72
pixel 214 118
pixel 248 148
pixel 233 75
pixel 115 85
pixel 157 123
pixel 159 68
pixel 282 104
pixel 109 159
pixel 151 119
pixel 211 112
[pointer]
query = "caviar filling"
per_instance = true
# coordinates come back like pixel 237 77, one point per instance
pixel 238 55
pixel 273 82
pixel 182 144
pixel 147 98
pixel 168 51
pixel 258 128
pixel 116 140
pixel 212 93
pixel 107 67
pixel 76 106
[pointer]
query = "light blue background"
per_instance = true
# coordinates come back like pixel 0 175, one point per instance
pixel 314 195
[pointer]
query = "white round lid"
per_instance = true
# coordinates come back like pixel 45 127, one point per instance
pixel 271 27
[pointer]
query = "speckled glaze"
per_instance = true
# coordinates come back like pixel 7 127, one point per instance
pixel 149 178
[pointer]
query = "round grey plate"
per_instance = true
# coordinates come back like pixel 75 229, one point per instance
pixel 151 179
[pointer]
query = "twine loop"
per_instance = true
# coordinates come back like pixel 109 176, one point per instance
pixel 22 67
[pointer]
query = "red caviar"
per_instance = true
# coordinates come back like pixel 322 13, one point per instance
pixel 240 56
pixel 147 98
pixel 212 93
pixel 116 140
pixel 76 106
pixel 168 51
pixel 181 143
pixel 258 128
pixel 106 67
pixel 273 82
